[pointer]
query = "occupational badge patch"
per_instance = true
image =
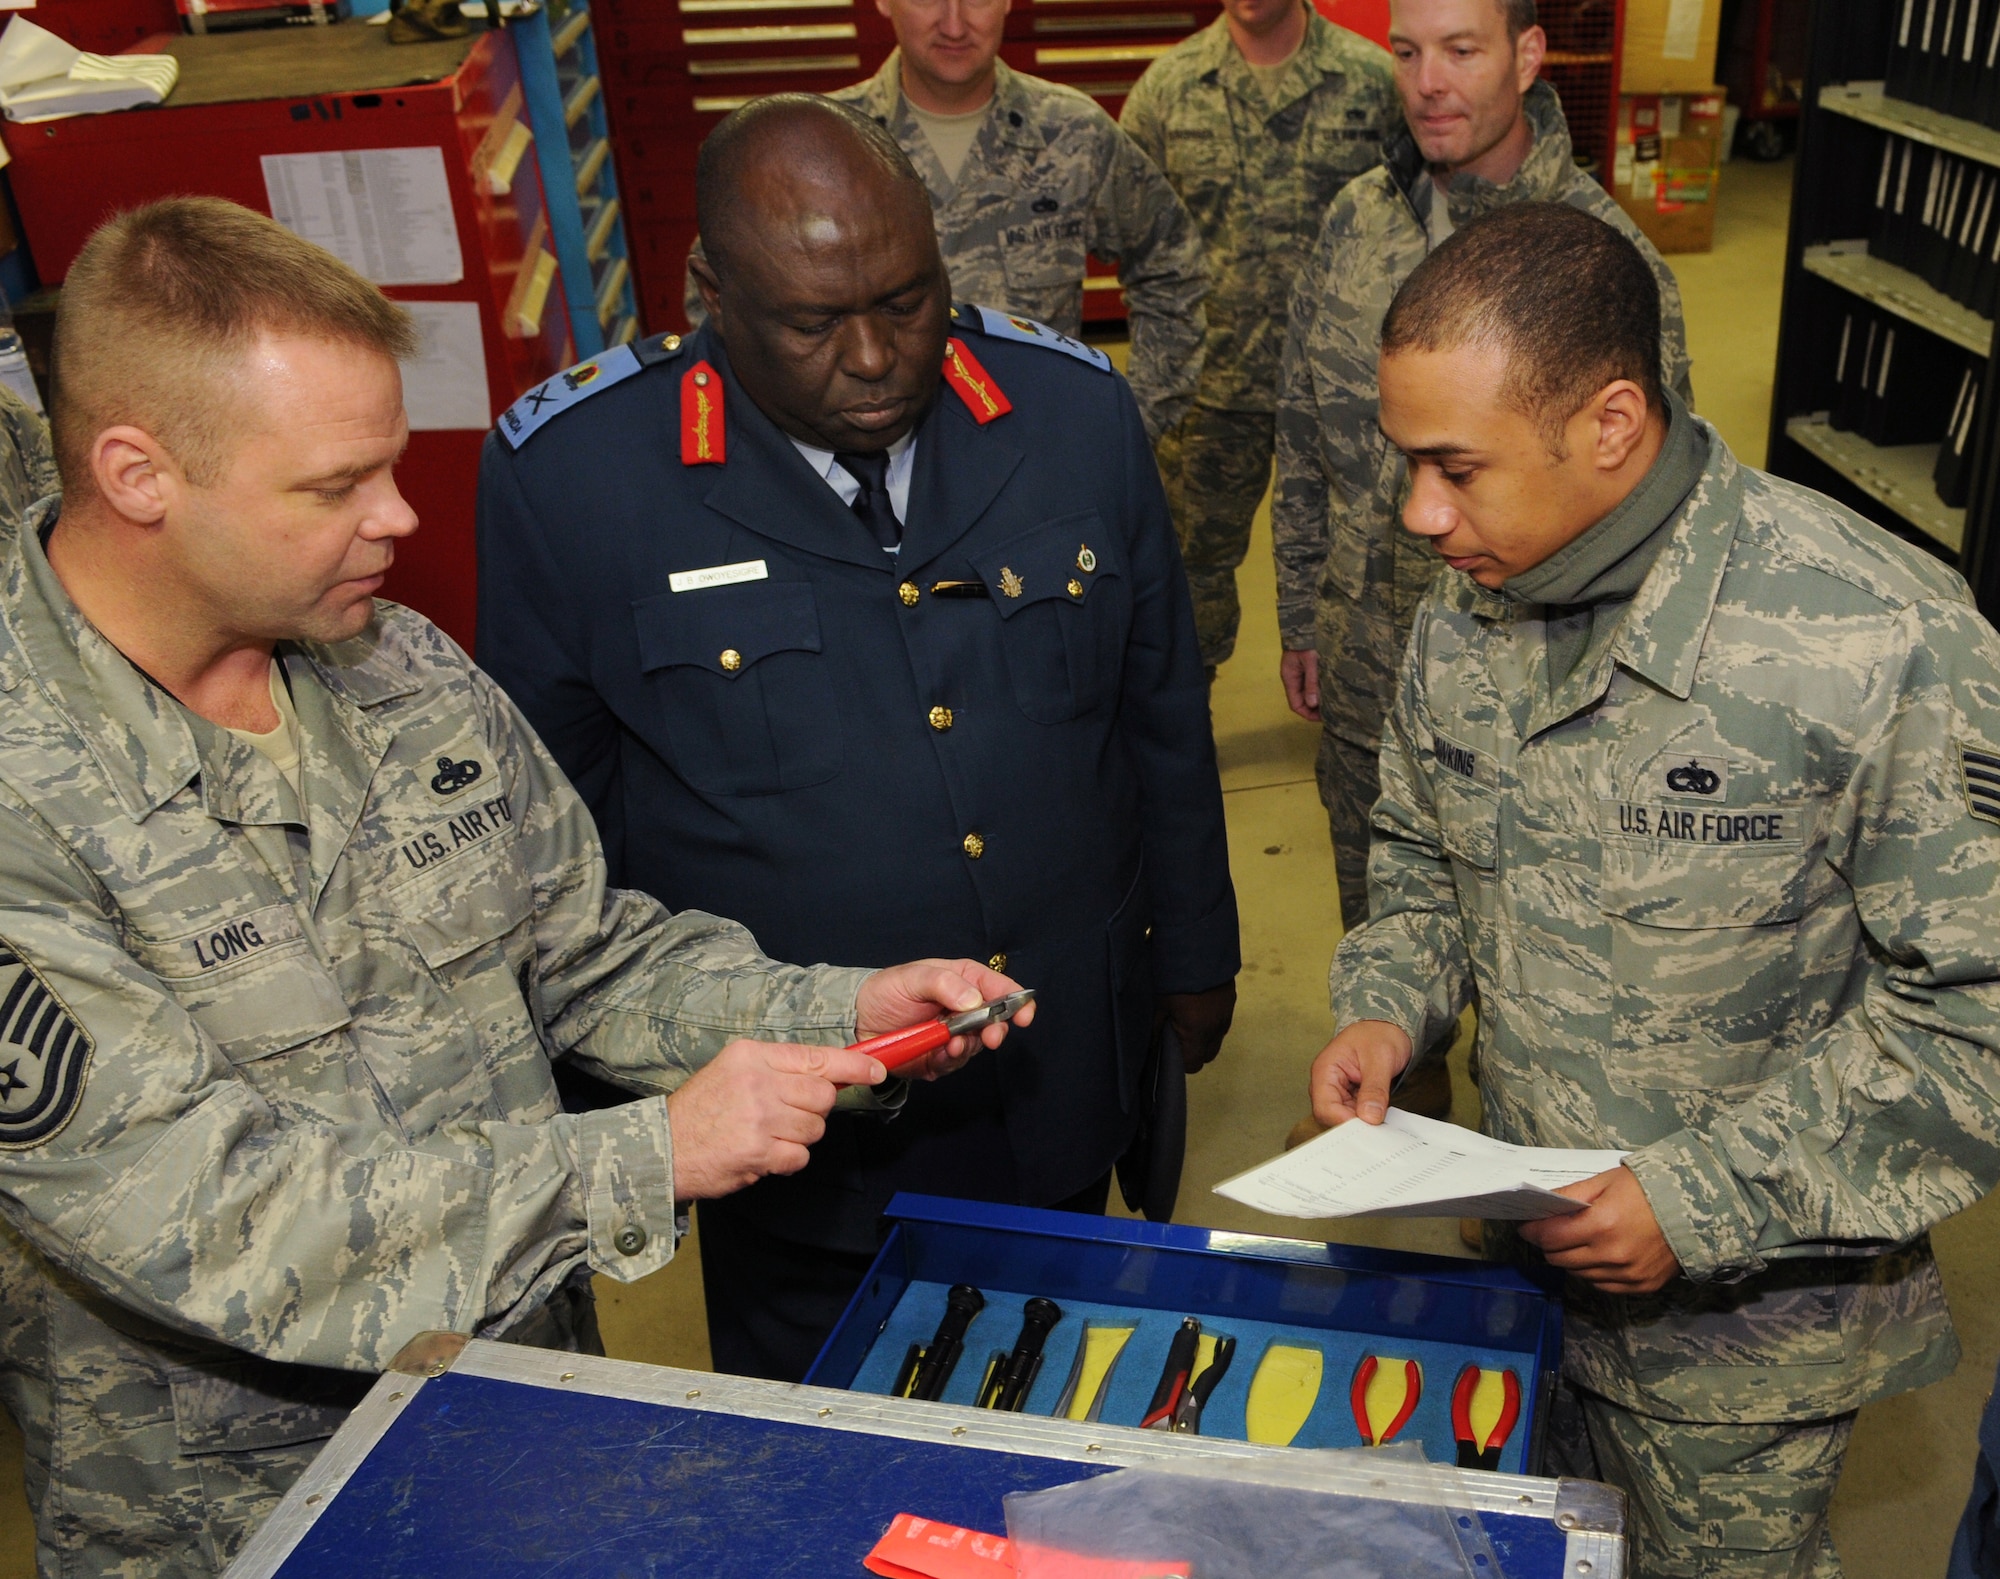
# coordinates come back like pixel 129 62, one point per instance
pixel 1979 769
pixel 44 1055
pixel 1704 777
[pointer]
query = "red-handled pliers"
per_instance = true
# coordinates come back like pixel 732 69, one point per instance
pixel 897 1048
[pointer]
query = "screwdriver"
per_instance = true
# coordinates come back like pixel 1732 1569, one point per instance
pixel 1016 1374
pixel 897 1048
pixel 948 1342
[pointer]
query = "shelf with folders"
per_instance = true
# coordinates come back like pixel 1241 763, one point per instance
pixel 1883 397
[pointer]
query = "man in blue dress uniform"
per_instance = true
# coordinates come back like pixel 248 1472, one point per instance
pixel 858 617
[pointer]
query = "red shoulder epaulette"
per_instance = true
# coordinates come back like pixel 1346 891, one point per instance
pixel 973 384
pixel 703 441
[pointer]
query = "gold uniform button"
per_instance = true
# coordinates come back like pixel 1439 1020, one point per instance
pixel 671 343
pixel 1075 587
pixel 996 961
pixel 940 719
pixel 975 846
pixel 909 594
pixel 731 660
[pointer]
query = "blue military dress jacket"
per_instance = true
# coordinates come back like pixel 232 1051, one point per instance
pixel 860 767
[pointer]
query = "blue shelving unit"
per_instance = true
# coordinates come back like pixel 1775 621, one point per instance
pixel 565 102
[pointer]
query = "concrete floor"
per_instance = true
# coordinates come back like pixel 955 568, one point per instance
pixel 1911 1460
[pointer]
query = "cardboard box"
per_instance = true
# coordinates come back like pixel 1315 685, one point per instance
pixel 1668 166
pixel 1669 46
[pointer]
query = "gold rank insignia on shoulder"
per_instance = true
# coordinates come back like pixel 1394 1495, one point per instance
pixel 1086 561
pixel 1010 584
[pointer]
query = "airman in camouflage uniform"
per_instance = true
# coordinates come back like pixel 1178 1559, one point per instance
pixel 27 464
pixel 1050 178
pixel 1349 579
pixel 1704 812
pixel 1256 157
pixel 275 1093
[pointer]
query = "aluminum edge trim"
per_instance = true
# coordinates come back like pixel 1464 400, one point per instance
pixel 1593 1554
pixel 315 1490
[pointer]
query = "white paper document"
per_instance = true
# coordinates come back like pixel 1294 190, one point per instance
pixel 384 212
pixel 444 384
pixel 44 79
pixel 1408 1166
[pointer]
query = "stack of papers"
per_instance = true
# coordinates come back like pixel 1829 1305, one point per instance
pixel 1416 1167
pixel 44 79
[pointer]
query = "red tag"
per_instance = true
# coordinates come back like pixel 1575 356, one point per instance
pixel 702 441
pixel 973 384
pixel 918 1548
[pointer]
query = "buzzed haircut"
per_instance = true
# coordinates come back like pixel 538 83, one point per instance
pixel 159 309
pixel 1565 297
pixel 725 151
pixel 1520 15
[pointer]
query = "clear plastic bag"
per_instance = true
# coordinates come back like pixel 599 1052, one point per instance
pixel 1375 1513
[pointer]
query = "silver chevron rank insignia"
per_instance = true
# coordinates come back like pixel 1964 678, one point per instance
pixel 44 1055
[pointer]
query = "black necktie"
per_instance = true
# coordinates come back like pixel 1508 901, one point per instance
pixel 872 503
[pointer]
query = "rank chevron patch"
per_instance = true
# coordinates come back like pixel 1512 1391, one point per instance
pixel 1980 769
pixel 44 1055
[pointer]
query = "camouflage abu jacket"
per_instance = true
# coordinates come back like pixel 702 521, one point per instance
pixel 1347 571
pixel 1729 899
pixel 1257 174
pixel 274 1080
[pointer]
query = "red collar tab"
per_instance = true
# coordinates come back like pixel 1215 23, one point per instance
pixel 703 442
pixel 973 384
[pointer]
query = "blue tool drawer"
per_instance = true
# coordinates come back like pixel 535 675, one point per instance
pixel 1347 1302
pixel 486 1461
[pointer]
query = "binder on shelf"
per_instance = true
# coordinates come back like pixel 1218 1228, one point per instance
pixel 1906 397
pixel 1965 60
pixel 1902 50
pixel 1953 472
pixel 1853 362
pixel 1972 244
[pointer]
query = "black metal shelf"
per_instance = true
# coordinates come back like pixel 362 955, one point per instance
pixel 1845 118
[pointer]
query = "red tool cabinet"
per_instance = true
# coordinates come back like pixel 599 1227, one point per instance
pixel 341 89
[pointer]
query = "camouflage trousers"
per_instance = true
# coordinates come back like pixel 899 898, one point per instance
pixel 1216 466
pixel 1708 1501
pixel 150 1455
pixel 1349 782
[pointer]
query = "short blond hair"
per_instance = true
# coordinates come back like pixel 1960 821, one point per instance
pixel 158 310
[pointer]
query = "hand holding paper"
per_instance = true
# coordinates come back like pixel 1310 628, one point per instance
pixel 1416 1167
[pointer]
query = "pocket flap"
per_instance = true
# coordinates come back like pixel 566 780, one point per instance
pixel 1060 559
pixel 466 901
pixel 1702 866
pixel 1753 1513
pixel 1468 819
pixel 242 1406
pixel 726 630
pixel 250 980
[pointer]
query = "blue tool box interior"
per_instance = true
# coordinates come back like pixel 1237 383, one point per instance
pixel 1346 1301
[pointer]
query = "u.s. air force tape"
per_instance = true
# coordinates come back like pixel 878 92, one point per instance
pixel 44 1055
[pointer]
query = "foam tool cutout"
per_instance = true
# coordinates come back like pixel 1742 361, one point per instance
pixel 1282 1393
pixel 1089 1384
pixel 1485 1407
pixel 1383 1395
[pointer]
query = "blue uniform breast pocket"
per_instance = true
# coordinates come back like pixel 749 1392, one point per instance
pixel 739 687
pixel 1065 606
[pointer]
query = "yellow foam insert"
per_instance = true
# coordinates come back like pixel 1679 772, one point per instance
pixel 1283 1392
pixel 1101 1346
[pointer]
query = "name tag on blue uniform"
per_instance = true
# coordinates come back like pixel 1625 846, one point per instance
pixel 718 576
